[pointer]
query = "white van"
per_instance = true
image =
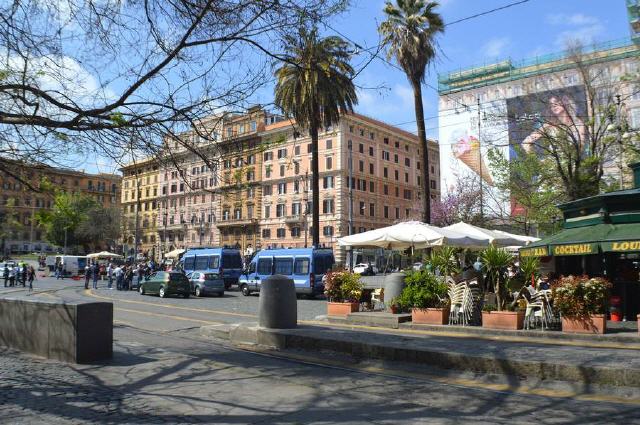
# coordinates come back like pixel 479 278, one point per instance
pixel 72 264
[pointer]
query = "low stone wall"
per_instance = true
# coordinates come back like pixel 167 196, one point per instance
pixel 79 332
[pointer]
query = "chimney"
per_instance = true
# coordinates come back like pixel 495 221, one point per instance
pixel 635 167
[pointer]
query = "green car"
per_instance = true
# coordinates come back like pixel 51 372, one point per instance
pixel 165 284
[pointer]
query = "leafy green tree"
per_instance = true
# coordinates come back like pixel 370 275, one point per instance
pixel 529 183
pixel 61 222
pixel 314 87
pixel 409 34
pixel 9 223
pixel 99 227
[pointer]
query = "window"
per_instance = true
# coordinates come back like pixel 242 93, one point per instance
pixel 372 210
pixel 371 151
pixel 283 265
pixel 267 190
pixel 407 162
pixel 295 232
pixel 301 266
pixel 406 212
pixel 253 125
pixel 386 189
pixel 296 150
pixel 397 192
pixel 296 208
pixel 268 156
pixel 309 148
pixel 328 206
pixel 296 167
pixel 225 215
pixel 361 148
pixel 237 213
pixel 201 263
pixel 350 129
pixel 432 184
pixel 296 186
pixel 327 182
pixel 251 159
pixel 397 144
pixel 372 135
pixel 406 177
pixel 189 263
pixel 397 212
pixel 266 233
pixel 282 188
pixel 327 230
pixel 280 233
pixel 329 161
pixel 372 186
pixel 264 265
pixel 386 211
pixel 251 176
pixel 267 211
pixel 386 140
pixel 371 169
pixel 407 194
pixel 361 166
pixel 385 172
pixel 329 144
pixel 395 172
pixel 395 158
pixel 282 153
pixel 362 208
pixel 281 210
pixel 385 155
pixel 282 169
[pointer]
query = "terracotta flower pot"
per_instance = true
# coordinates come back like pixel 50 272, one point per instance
pixel 341 309
pixel 594 324
pixel 511 320
pixel 430 316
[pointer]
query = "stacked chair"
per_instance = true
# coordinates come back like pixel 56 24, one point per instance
pixel 466 302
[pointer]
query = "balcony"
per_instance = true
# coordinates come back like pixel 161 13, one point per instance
pixel 294 219
pixel 237 222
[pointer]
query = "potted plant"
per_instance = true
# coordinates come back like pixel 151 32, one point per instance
pixel 343 290
pixel 443 260
pixel 425 295
pixel 495 264
pixel 581 301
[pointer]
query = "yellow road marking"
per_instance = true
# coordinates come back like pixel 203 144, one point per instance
pixel 167 316
pixel 199 310
pixel 506 338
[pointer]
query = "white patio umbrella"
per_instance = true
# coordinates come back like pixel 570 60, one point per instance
pixel 524 240
pixel 497 238
pixel 104 254
pixel 174 254
pixel 412 234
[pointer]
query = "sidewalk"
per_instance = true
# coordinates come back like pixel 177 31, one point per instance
pixel 610 363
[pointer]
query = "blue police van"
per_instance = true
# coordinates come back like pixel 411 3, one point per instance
pixel 225 262
pixel 306 266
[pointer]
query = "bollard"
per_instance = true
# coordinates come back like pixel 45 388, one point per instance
pixel 393 286
pixel 278 308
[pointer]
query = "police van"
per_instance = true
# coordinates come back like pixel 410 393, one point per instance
pixel 225 262
pixel 305 266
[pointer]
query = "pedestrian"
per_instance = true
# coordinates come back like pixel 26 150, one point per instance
pixel 14 276
pixel 119 274
pixel 87 276
pixel 23 274
pixel 128 277
pixel 60 271
pixel 31 275
pixel 110 275
pixel 5 274
pixel 95 273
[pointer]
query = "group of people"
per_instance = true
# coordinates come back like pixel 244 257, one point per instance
pixel 17 274
pixel 123 275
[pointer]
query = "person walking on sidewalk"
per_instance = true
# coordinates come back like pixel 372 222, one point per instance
pixel 87 276
pixel 5 274
pixel 59 271
pixel 110 275
pixel 119 274
pixel 31 275
pixel 23 273
pixel 95 273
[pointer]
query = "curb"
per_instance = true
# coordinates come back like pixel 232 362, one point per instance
pixel 310 339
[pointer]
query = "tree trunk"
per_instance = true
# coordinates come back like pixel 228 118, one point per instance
pixel 422 136
pixel 315 187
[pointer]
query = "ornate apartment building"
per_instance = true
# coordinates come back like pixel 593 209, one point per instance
pixel 18 199
pixel 253 190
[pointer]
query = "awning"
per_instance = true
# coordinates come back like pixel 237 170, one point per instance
pixel 588 240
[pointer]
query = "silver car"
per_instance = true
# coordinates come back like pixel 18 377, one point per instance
pixel 203 283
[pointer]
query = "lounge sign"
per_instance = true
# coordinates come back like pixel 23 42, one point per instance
pixel 575 249
pixel 621 246
pixel 538 251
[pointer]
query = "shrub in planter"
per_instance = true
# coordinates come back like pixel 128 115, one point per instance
pixel 581 301
pixel 343 290
pixel 425 295
pixel 504 319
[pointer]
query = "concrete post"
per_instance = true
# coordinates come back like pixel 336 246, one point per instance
pixel 278 308
pixel 393 286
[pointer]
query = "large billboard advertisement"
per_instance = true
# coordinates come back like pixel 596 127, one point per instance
pixel 504 124
pixel 464 150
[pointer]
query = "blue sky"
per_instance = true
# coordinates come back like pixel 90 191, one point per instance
pixel 534 28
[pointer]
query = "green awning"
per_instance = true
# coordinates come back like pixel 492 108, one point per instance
pixel 587 240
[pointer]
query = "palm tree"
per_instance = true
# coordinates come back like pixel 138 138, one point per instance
pixel 409 35
pixel 314 86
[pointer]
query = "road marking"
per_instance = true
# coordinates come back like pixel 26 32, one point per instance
pixel 532 340
pixel 199 310
pixel 167 316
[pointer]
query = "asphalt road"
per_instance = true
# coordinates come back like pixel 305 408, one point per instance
pixel 164 371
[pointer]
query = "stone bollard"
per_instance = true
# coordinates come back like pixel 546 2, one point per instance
pixel 393 286
pixel 278 308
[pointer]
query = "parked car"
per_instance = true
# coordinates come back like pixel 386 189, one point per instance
pixel 165 284
pixel 206 284
pixel 225 262
pixel 305 266
pixel 363 269
pixel 417 266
